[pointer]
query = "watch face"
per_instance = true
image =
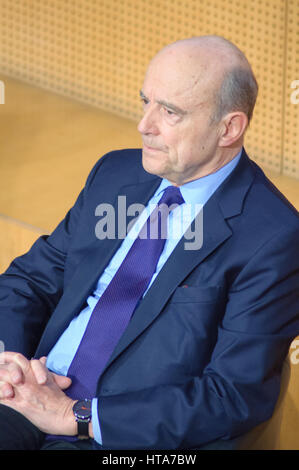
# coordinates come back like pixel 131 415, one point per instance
pixel 82 409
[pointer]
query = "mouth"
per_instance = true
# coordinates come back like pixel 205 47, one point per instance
pixel 150 149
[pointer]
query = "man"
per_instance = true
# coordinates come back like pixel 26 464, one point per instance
pixel 199 357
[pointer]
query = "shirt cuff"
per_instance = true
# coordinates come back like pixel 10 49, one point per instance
pixel 95 421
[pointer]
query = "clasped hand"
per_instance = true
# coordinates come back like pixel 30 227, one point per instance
pixel 30 388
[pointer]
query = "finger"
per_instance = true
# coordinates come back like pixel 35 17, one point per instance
pixel 2 360
pixel 16 373
pixel 22 361
pixel 40 371
pixel 62 381
pixel 4 373
pixel 43 359
pixel 11 373
pixel 6 390
pixel 18 358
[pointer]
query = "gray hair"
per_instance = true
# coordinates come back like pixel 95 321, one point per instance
pixel 237 92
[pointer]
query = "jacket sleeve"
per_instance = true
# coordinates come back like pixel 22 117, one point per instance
pixel 33 283
pixel 240 386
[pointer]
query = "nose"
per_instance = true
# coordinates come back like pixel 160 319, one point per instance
pixel 148 124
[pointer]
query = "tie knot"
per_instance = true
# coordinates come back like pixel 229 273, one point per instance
pixel 172 195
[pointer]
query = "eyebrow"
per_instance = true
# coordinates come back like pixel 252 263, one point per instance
pixel 168 105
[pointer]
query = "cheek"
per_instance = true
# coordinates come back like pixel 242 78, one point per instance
pixel 182 144
pixel 183 148
pixel 175 142
pixel 195 143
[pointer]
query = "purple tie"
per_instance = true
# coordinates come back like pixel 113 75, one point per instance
pixel 115 307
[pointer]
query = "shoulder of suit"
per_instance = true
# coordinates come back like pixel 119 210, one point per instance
pixel 129 156
pixel 118 163
pixel 270 200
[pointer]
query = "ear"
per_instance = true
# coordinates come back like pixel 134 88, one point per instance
pixel 233 127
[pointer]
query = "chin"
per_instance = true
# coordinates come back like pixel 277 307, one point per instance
pixel 152 165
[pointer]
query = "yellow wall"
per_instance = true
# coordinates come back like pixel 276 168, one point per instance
pixel 16 238
pixel 291 110
pixel 96 51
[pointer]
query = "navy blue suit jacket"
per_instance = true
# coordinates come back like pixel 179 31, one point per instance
pixel 202 356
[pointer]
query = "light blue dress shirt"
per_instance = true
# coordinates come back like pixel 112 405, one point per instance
pixel 195 194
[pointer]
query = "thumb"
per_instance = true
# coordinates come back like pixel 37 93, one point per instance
pixel 62 381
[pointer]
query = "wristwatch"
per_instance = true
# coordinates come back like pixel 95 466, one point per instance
pixel 82 412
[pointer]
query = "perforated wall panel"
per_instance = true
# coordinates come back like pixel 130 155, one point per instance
pixel 96 51
pixel 291 109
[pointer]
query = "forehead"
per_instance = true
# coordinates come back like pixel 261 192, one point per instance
pixel 176 76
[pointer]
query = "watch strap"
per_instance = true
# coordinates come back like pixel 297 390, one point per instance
pixel 83 426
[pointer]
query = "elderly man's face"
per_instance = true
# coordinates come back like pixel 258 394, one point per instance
pixel 179 143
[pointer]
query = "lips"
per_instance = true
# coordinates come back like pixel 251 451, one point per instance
pixel 151 148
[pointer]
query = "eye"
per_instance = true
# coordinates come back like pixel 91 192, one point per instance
pixel 144 101
pixel 168 112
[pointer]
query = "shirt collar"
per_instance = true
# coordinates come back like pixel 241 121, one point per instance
pixel 199 190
